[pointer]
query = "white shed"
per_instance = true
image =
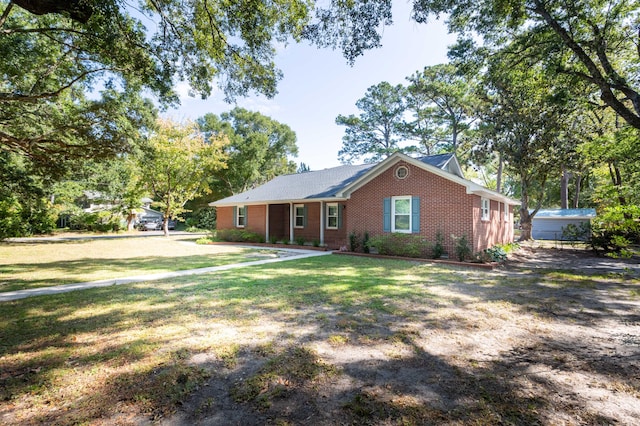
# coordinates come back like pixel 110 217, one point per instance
pixel 548 224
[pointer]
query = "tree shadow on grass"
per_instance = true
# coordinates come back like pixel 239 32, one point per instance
pixel 41 338
pixel 90 269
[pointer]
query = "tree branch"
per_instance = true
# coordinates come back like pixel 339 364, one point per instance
pixel 78 10
pixel 606 93
pixel 5 14
pixel 12 97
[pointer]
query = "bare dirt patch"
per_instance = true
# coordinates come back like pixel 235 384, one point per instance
pixel 553 337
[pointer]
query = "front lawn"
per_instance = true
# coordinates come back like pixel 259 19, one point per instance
pixel 327 340
pixel 26 265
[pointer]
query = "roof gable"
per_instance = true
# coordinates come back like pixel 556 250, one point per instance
pixel 338 183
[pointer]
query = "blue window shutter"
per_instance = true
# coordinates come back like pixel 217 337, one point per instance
pixel 235 216
pixel 304 215
pixel 415 215
pixel 340 207
pixel 386 214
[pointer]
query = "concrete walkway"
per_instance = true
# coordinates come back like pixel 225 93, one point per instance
pixel 292 254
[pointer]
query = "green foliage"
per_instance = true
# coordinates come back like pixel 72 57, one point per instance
pixel 374 134
pixel 441 101
pixel 366 243
pixel 354 242
pixel 496 254
pixel 102 221
pixel 273 239
pixel 24 208
pixel 438 246
pixel 238 235
pixel 462 248
pixel 615 229
pixel 204 218
pixel 397 244
pixel 588 42
pixel 177 163
pixel 580 232
pixel 259 149
pixel 300 240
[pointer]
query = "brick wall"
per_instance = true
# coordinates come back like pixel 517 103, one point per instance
pixel 496 230
pixel 224 218
pixel 444 207
pixel 257 219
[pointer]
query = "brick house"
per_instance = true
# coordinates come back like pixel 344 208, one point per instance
pixel 400 194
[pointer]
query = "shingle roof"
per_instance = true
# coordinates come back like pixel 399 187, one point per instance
pixel 321 184
pixel 301 186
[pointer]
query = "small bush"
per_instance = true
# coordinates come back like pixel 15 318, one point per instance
pixel 102 221
pixel 496 254
pixel 273 239
pixel 366 243
pixel 397 244
pixel 354 242
pixel 300 241
pixel 316 243
pixel 615 230
pixel 238 235
pixel 463 250
pixel 438 247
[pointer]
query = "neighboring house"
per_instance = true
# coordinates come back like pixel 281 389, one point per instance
pixel 402 194
pixel 548 224
pixel 95 201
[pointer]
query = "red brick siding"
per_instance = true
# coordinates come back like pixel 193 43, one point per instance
pixel 311 231
pixel 224 218
pixel 444 205
pixel 257 219
pixel 494 231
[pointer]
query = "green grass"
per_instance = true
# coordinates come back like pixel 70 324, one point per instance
pixel 141 349
pixel 33 265
pixel 134 343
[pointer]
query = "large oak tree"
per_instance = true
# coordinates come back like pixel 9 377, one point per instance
pixel 595 41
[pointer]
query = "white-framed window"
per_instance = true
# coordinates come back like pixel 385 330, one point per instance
pixel 486 208
pixel 332 215
pixel 401 214
pixel 506 212
pixel 241 216
pixel 298 211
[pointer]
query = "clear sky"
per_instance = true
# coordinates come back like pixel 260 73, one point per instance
pixel 318 84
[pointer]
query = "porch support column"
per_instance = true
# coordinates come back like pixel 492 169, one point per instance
pixel 321 223
pixel 266 225
pixel 291 216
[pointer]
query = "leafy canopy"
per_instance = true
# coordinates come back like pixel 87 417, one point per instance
pixel 376 133
pixel 176 165
pixel 259 149
pixel 593 41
